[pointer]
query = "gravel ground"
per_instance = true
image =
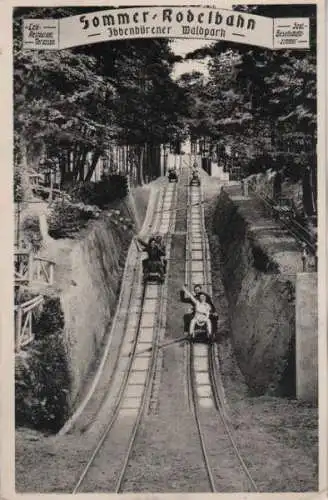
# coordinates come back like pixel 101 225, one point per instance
pixel 277 437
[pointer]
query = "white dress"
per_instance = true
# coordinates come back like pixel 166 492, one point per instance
pixel 202 311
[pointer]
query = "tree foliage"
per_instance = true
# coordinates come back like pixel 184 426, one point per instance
pixel 74 103
pixel 260 102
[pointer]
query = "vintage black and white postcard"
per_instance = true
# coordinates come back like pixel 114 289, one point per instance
pixel 164 277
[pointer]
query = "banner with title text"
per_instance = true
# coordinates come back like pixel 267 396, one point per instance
pixel 166 22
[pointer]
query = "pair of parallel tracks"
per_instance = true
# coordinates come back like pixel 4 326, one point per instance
pixel 150 303
pixel 164 222
pixel 201 274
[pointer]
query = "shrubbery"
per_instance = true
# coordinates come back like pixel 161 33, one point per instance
pixel 67 218
pixel 42 377
pixel 32 232
pixel 102 193
pixel 71 213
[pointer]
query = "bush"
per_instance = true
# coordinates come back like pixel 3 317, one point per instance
pixel 67 218
pixel 42 384
pixel 102 193
pixel 18 188
pixel 32 232
pixel 51 319
pixel 24 295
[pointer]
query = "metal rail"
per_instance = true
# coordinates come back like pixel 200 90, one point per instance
pixel 145 398
pixel 151 373
pixel 220 406
pixel 117 407
pixel 191 389
pixel 195 411
pixel 215 380
pixel 123 387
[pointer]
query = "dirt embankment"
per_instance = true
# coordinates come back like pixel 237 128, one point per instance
pixel 90 289
pixel 87 280
pixel 258 265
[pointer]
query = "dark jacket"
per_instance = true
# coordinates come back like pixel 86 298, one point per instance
pixel 154 253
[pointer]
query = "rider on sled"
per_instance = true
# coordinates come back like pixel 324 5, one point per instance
pixel 161 245
pixel 188 317
pixel 194 169
pixel 155 254
pixel 202 312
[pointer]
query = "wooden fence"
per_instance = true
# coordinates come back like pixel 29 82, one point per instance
pixel 30 269
pixel 23 262
pixel 25 315
pixel 42 271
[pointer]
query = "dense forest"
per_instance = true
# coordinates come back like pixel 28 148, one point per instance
pixel 72 105
pixel 261 103
pixel 76 102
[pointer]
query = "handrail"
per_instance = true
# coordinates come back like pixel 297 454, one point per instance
pixel 39 187
pixel 29 302
pixel 21 252
pixel 27 306
pixel 42 259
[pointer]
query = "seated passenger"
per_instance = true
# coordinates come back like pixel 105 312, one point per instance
pixel 202 312
pixel 161 245
pixel 155 254
pixel 197 291
pixel 188 317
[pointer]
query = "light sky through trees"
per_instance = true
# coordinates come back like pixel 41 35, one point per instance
pixel 182 47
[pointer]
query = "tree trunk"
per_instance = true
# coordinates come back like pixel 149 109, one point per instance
pixel 157 161
pixel 51 187
pixel 140 173
pixel 307 193
pixel 134 164
pixel 75 161
pixel 62 171
pixel 26 188
pixel 147 162
pixel 96 156
pixel 82 161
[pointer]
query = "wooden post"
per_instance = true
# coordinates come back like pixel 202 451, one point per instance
pixel 51 273
pixel 18 328
pixel 38 270
pixel 18 224
pixel 30 266
pixel 51 187
pixel 20 264
pixel 29 324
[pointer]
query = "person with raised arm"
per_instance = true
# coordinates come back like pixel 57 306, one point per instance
pixel 202 312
